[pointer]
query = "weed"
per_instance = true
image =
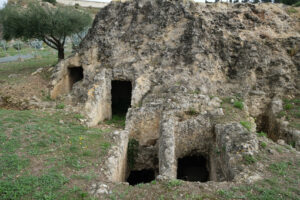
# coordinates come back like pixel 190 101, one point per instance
pixel 246 124
pixel 174 183
pixel 117 120
pixel 105 147
pixel 263 145
pixel 60 106
pixel 292 10
pixel 191 111
pixel 288 106
pixel 78 116
pixel 280 168
pixel 239 105
pixel 133 146
pixel 262 134
pixel 249 159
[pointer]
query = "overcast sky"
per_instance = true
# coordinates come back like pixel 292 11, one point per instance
pixel 2 2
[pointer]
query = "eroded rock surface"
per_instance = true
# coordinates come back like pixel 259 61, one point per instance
pixel 182 58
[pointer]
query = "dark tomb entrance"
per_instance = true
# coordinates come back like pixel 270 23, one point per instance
pixel 143 176
pixel 193 168
pixel 120 97
pixel 75 75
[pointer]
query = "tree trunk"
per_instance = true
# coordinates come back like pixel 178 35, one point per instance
pixel 61 53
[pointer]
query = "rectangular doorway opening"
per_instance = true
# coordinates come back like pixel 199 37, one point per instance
pixel 193 168
pixel 75 75
pixel 120 97
pixel 142 176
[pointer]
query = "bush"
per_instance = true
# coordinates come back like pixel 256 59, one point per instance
pixel 77 38
pixel 297 4
pixel 50 1
pixel 289 2
pixel 3 45
pixel 36 44
pixel 18 45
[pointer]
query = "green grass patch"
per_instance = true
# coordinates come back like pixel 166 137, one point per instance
pixel 238 104
pixel 35 141
pixel 249 159
pixel 117 120
pixel 261 134
pixel 60 106
pixel 283 184
pixel 174 183
pixel 263 145
pixel 246 124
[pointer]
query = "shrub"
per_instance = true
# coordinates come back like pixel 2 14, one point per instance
pixel 239 105
pixel 289 2
pixel 18 45
pixel 297 4
pixel 36 44
pixel 246 124
pixel 3 45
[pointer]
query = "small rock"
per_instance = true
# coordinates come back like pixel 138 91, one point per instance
pixel 61 122
pixel 217 112
pixel 281 142
pixel 103 189
pixel 231 100
pixel 39 70
pixel 12 75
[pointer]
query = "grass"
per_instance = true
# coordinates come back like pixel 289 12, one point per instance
pixel 12 52
pixel 249 159
pixel 238 104
pixel 292 10
pixel 263 145
pixel 25 68
pixel 117 121
pixel 282 183
pixel 174 183
pixel 246 124
pixel 262 134
pixel 41 158
pixel 291 112
pixel 60 106
pixel 192 112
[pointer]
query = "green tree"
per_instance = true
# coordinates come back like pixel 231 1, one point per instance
pixel 49 24
pixel 289 2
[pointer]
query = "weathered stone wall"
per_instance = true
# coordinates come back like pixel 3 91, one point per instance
pixel 180 56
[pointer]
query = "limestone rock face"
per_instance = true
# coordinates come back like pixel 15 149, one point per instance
pixel 180 57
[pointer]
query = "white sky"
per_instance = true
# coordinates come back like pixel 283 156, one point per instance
pixel 2 2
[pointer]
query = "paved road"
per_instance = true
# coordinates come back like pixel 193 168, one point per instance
pixel 15 58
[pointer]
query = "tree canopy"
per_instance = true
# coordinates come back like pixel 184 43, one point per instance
pixel 47 23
